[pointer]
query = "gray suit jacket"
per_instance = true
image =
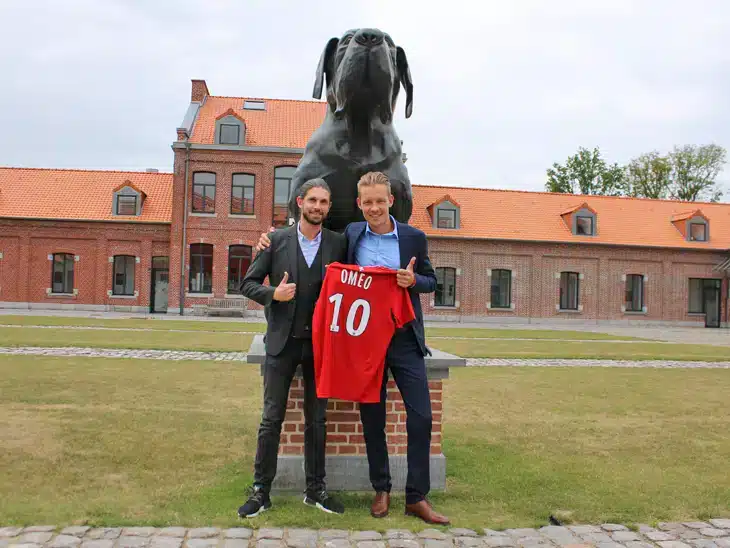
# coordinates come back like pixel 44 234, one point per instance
pixel 281 256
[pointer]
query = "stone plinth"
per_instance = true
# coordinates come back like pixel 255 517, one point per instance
pixel 346 462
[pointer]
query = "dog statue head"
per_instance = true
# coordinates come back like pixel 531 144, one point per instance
pixel 364 70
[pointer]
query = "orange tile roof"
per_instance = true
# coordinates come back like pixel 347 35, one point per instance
pixel 536 216
pixel 284 123
pixel 76 194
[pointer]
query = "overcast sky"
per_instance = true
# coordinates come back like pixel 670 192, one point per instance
pixel 501 88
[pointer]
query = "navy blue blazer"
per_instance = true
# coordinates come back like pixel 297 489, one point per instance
pixel 412 243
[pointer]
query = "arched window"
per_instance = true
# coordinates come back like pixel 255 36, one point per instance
pixel 243 189
pixel 203 192
pixel 201 268
pixel 239 259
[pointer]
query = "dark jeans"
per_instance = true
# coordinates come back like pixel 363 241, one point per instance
pixel 278 374
pixel 406 363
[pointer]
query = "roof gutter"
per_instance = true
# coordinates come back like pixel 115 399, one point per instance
pixel 241 148
pixel 561 242
pixel 184 231
pixel 82 220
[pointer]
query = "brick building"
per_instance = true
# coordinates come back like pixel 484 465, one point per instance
pixel 147 241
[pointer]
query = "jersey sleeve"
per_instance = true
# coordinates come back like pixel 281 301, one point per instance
pixel 402 306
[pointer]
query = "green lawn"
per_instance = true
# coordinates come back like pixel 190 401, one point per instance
pixel 141 323
pixel 578 349
pixel 119 442
pixel 470 348
pixel 153 339
pixel 259 327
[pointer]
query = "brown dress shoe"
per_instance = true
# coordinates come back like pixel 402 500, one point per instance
pixel 423 510
pixel 381 504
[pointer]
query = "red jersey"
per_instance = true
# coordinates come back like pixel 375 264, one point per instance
pixel 355 317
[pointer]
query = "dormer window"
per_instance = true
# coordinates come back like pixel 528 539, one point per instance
pixel 445 214
pixel 128 200
pixel 446 218
pixel 698 231
pixel 229 134
pixel 694 226
pixel 230 129
pixel 584 225
pixel 127 205
pixel 580 219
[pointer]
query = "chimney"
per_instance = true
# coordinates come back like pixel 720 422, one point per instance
pixel 199 91
pixel 152 170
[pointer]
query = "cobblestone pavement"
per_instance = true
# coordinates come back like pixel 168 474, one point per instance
pixel 714 533
pixel 241 356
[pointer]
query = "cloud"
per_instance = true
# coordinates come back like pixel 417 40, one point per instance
pixel 502 89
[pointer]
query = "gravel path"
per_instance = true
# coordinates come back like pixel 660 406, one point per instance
pixel 553 362
pixel 241 356
pixel 714 533
pixel 124 353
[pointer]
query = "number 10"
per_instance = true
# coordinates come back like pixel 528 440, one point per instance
pixel 350 323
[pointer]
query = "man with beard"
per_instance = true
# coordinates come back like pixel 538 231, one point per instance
pixel 382 241
pixel 295 265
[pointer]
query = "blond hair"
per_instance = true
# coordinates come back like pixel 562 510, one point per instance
pixel 373 178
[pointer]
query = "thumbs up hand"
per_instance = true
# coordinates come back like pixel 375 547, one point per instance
pixel 405 277
pixel 285 291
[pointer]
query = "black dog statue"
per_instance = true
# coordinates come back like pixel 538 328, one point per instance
pixel 364 71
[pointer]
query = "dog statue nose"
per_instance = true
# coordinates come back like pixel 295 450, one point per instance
pixel 369 37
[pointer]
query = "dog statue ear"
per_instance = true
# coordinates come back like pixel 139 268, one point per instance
pixel 405 78
pixel 325 66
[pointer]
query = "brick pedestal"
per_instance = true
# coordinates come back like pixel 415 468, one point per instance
pixel 346 462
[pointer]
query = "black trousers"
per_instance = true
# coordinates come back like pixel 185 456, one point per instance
pixel 406 363
pixel 278 374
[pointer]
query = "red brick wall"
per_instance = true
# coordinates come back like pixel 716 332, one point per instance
pixel 344 429
pixel 536 291
pixel 223 229
pixel 25 270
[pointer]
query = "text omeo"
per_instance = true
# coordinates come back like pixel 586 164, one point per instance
pixel 357 279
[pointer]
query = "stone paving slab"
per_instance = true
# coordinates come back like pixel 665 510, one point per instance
pixel 711 534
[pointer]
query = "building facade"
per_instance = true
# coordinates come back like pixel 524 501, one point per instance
pixel 170 242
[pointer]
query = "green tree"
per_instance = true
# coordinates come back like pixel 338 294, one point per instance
pixel 694 172
pixel 586 173
pixel 648 176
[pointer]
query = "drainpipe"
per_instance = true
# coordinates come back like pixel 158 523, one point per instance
pixel 184 232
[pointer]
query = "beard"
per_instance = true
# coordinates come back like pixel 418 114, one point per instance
pixel 311 220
